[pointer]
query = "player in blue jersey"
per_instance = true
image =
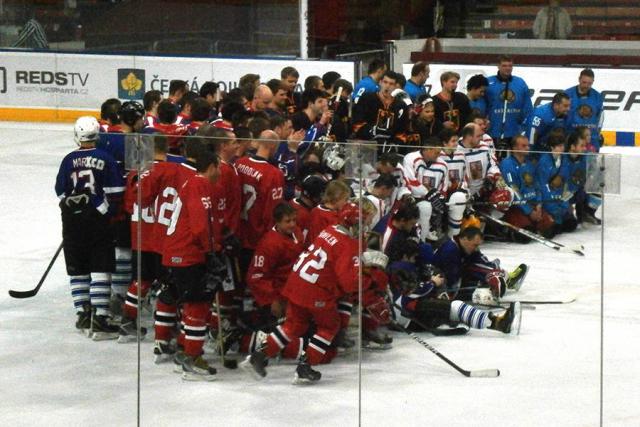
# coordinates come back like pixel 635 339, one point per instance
pixel 415 85
pixel 551 178
pixel 576 164
pixel 587 107
pixel 89 185
pixel 508 104
pixel 519 173
pixel 476 90
pixel 369 83
pixel 545 118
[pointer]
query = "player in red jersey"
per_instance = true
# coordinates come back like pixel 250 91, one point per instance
pixel 327 271
pixel 336 195
pixel 273 258
pixel 311 190
pixel 150 101
pixel 194 269
pixel 262 189
pixel 166 125
pixel 200 111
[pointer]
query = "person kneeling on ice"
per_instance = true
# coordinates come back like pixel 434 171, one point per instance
pixel 421 301
pixel 324 273
pixel 466 269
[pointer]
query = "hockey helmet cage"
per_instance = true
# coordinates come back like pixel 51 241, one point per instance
pixel 130 112
pixel 334 157
pixel 86 129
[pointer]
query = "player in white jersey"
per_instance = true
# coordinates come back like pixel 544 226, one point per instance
pixel 431 172
pixel 483 122
pixel 456 193
pixel 406 183
pixel 379 193
pixel 483 175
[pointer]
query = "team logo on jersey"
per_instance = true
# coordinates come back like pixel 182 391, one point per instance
pixel 475 169
pixel 507 95
pixel 429 181
pixel 454 178
pixel 385 119
pixel 585 111
pixel 528 179
pixel 131 83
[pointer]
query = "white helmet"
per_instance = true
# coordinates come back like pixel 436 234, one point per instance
pixel 86 129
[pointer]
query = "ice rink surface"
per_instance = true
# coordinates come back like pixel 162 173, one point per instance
pixel 51 375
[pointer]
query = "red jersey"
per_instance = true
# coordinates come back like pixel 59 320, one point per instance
pixel 320 218
pixel 148 219
pixel 183 119
pixel 303 216
pixel 228 196
pixel 175 132
pixel 193 127
pixel 325 272
pixel 159 188
pixel 262 189
pixel 271 264
pixel 190 236
pixel 150 121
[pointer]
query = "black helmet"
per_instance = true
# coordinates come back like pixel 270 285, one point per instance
pixel 130 112
pixel 313 186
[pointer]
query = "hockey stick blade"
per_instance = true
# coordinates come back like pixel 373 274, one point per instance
pixel 485 373
pixel 32 292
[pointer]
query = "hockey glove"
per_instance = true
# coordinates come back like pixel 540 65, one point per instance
pixel 380 311
pixel 372 258
pixel 437 201
pixel 497 282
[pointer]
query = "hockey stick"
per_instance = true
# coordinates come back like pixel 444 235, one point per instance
pixel 481 373
pixel 538 238
pixel 34 291
pixel 226 362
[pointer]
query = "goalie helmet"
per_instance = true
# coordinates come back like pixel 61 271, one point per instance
pixel 484 296
pixel 350 215
pixel 86 129
pixel 334 157
pixel 130 112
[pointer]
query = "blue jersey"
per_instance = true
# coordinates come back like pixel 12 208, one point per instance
pixel 551 177
pixel 288 165
pixel 586 110
pixel 518 101
pixel 414 91
pixel 576 172
pixel 479 104
pixel 448 258
pixel 540 124
pixel 93 172
pixel 113 143
pixel 520 177
pixel 366 85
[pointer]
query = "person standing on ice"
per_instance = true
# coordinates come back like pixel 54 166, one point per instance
pixel 89 186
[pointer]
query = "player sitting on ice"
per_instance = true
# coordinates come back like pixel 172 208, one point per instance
pixel 576 163
pixel 453 157
pixel 551 180
pixel 519 173
pixel 419 292
pixel 466 269
pixel 327 271
pixel 431 172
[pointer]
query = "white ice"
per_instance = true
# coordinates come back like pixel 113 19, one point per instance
pixel 51 375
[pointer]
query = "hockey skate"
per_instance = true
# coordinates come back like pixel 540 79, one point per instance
pixel 255 364
pixel 101 329
pixel 128 332
pixel 374 340
pixel 163 351
pixel 305 374
pixel 509 321
pixel 84 319
pixel 515 279
pixel 197 369
pixel 342 342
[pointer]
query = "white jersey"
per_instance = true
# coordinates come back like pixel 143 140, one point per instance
pixel 406 183
pixel 382 208
pixel 456 168
pixel 480 164
pixel 432 175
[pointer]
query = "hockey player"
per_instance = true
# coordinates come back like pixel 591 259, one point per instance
pixel 381 116
pixel 311 192
pixel 418 294
pixel 289 77
pixel 262 189
pixel 369 83
pixel 508 104
pixel 325 272
pixel 551 179
pixel 177 89
pixel 431 172
pixel 415 85
pixel 465 268
pixel 424 122
pixel 519 174
pixel 167 114
pixel 150 100
pixel 457 194
pixel 109 114
pixel 545 118
pixel 379 194
pixel 576 160
pixel 87 182
pixel 194 272
pixel 586 108
pixel 335 197
pixel 272 261
pixel 451 107
pixel 314 116
pixel 476 90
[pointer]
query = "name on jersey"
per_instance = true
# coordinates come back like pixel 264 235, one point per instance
pixel 88 162
pixel 331 240
pixel 249 171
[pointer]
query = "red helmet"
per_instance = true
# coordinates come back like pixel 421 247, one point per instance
pixel 349 215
